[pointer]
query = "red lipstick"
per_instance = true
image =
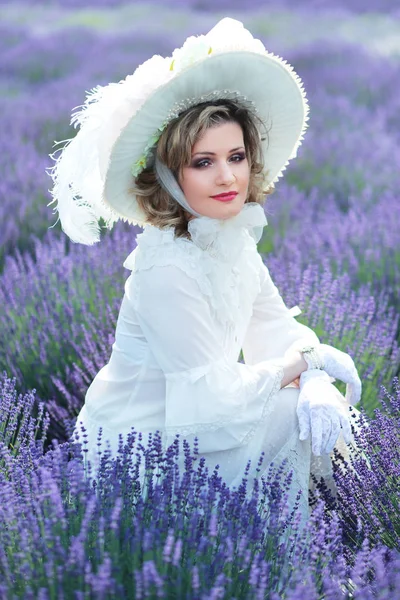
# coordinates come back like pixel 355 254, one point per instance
pixel 225 197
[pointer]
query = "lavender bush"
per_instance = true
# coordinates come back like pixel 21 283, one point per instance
pixel 54 302
pixel 362 242
pixel 357 6
pixel 50 73
pixel 188 535
pixel 368 496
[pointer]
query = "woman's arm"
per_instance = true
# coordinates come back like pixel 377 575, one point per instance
pixel 272 328
pixel 294 366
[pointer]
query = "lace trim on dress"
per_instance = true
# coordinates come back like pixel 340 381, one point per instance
pixel 268 406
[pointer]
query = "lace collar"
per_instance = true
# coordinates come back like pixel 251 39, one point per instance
pixel 221 237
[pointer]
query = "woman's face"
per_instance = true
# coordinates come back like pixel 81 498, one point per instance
pixel 218 165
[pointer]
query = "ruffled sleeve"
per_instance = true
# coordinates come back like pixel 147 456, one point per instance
pixel 207 395
pixel 272 328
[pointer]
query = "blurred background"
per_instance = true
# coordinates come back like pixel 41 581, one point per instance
pixel 332 243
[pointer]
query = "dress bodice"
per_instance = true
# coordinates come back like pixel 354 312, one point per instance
pixel 221 256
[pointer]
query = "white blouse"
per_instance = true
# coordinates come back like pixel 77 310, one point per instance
pixel 189 307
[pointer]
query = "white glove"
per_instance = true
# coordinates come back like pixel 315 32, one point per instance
pixel 320 413
pixel 337 364
pixel 340 365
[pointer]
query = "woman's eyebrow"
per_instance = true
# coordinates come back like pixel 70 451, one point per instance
pixel 213 153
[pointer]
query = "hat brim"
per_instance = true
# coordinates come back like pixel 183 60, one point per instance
pixel 266 80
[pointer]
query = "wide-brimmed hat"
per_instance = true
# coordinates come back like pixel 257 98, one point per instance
pixel 120 123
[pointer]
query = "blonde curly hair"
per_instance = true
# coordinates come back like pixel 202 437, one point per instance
pixel 174 148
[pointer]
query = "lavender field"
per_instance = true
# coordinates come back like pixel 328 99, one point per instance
pixel 332 246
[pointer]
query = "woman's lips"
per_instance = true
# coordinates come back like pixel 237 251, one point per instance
pixel 225 197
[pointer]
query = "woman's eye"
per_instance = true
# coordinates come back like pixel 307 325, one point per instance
pixel 239 157
pixel 203 163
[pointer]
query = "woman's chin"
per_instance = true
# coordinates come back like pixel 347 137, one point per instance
pixel 226 209
pixel 219 210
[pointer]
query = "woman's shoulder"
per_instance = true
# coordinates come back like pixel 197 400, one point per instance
pixel 160 248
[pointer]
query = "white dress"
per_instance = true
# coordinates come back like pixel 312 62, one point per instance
pixel 189 307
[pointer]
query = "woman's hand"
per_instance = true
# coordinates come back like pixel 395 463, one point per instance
pixel 296 382
pixel 320 413
pixel 340 365
pixel 337 364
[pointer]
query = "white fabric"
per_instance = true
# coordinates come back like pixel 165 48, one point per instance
pixel 341 366
pixel 189 307
pixel 319 412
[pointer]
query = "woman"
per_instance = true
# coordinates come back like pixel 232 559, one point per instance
pixel 187 147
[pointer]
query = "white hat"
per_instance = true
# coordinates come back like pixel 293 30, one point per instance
pixel 121 122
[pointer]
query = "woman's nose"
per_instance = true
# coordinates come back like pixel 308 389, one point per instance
pixel 225 175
